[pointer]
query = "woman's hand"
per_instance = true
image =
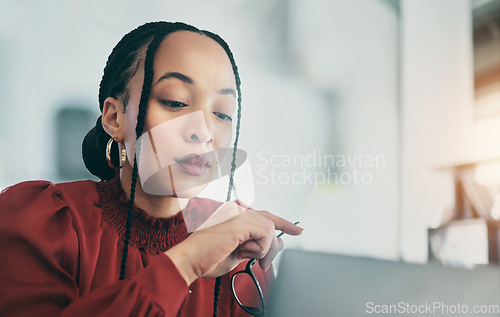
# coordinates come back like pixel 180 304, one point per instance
pixel 218 249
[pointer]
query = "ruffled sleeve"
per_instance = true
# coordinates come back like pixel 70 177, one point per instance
pixel 42 243
pixel 39 248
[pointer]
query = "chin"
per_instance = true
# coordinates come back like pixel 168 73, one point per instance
pixel 190 193
pixel 190 186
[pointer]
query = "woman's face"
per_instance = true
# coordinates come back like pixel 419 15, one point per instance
pixel 188 124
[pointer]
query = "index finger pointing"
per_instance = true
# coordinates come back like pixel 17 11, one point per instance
pixel 281 224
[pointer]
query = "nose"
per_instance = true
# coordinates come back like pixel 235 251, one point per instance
pixel 196 139
pixel 199 129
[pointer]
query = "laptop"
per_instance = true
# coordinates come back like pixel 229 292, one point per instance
pixel 319 284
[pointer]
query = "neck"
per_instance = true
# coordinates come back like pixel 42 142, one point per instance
pixel 155 205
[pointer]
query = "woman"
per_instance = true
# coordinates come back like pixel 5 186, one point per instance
pixel 122 246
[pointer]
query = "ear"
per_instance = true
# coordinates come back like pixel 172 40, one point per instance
pixel 111 118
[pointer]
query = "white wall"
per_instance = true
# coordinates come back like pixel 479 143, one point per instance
pixel 437 99
pixel 350 48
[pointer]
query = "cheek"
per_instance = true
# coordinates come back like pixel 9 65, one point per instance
pixel 158 114
pixel 153 120
pixel 223 137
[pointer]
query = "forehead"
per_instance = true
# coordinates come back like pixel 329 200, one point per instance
pixel 196 56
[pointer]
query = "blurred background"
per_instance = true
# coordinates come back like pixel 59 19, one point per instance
pixel 376 123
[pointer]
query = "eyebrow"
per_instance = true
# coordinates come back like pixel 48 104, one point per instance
pixel 189 80
pixel 227 91
pixel 177 75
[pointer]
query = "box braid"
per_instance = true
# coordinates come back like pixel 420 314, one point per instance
pixel 117 73
pixel 224 45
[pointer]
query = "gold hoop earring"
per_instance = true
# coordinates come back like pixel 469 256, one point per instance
pixel 123 157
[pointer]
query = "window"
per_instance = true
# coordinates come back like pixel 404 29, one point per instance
pixel 486 41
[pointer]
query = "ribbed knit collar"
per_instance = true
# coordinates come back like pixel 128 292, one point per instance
pixel 148 234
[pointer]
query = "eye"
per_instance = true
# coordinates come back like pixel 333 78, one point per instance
pixel 223 116
pixel 173 104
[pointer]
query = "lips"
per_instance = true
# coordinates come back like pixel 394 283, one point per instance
pixel 194 164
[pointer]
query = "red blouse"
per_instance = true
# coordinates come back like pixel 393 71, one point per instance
pixel 61 247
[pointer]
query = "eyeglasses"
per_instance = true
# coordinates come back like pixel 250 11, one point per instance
pixel 247 278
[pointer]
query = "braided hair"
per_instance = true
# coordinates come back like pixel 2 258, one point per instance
pixel 121 66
